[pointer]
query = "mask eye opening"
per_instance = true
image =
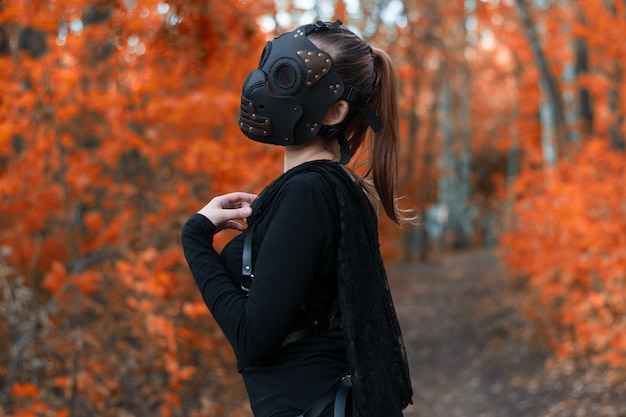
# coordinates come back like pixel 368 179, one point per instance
pixel 285 76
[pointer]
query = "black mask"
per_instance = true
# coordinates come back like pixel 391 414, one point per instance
pixel 284 101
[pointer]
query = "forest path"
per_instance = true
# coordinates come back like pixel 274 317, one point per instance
pixel 470 351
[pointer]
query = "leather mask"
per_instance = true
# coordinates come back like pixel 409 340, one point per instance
pixel 284 101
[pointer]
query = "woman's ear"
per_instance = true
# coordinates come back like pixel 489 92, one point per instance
pixel 337 113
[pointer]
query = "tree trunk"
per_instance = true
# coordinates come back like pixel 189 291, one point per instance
pixel 446 183
pixel 411 152
pixel 411 155
pixel 584 98
pixel 554 105
pixel 459 205
pixel 616 135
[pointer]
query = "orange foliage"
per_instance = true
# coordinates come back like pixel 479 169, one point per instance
pixel 568 243
pixel 566 239
pixel 25 390
pixel 116 122
pixel 54 279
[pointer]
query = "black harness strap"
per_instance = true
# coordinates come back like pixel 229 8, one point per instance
pixel 246 261
pixel 341 399
pixel 339 394
pixel 333 321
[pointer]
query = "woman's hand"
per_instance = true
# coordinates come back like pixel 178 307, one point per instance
pixel 223 210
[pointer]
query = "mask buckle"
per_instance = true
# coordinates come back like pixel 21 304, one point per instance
pixel 319 25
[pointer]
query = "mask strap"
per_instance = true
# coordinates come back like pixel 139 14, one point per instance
pixel 329 133
pixel 351 95
pixel 354 97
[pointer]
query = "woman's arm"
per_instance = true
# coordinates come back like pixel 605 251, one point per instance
pixel 285 266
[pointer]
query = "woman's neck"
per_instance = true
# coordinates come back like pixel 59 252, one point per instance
pixel 315 150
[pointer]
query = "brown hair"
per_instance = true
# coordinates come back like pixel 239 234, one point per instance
pixel 371 71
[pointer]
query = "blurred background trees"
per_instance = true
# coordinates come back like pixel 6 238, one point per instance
pixel 118 120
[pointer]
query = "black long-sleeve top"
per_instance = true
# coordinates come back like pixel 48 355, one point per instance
pixel 294 254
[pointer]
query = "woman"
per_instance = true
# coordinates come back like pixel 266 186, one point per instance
pixel 302 294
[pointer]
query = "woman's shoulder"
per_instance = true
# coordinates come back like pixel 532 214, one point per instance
pixel 320 174
pixel 307 185
pixel 306 191
pixel 312 186
pixel 309 178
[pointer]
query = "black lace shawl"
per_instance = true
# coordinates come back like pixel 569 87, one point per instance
pixel 375 348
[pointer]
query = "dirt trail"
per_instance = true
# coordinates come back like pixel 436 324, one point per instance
pixel 470 352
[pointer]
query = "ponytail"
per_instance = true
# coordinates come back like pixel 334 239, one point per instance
pixel 380 179
pixel 383 163
pixel 371 71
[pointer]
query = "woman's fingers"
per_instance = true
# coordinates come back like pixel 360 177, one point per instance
pixel 231 224
pixel 222 210
pixel 236 199
pixel 238 213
